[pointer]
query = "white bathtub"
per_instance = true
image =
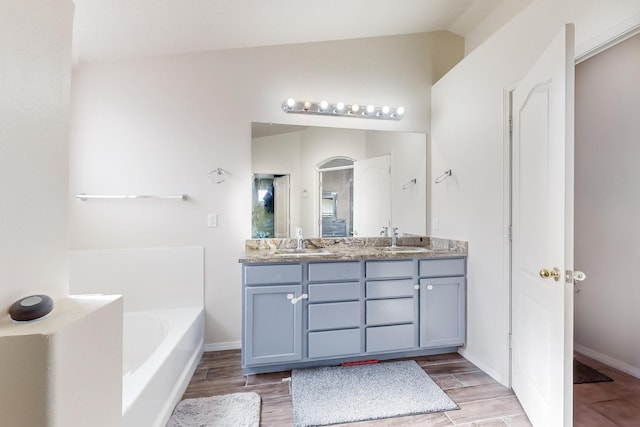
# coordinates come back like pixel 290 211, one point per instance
pixel 161 350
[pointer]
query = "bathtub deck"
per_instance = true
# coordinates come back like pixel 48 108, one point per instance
pixel 478 395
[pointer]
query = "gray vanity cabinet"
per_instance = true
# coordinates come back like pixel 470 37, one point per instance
pixel 442 302
pixel 313 313
pixel 271 322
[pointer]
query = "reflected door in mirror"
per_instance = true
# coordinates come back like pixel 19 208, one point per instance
pixel 270 212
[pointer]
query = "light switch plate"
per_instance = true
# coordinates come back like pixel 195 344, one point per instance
pixel 212 220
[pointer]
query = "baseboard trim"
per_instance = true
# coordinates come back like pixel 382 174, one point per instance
pixel 220 346
pixel 608 360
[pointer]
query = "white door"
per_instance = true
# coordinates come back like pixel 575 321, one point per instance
pixel 371 196
pixel 542 203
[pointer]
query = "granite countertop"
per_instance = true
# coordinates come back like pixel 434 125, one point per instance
pixel 336 249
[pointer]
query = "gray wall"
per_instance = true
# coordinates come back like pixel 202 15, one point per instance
pixel 607 205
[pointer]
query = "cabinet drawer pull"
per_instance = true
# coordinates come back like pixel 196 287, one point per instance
pixel 295 300
pixel 429 287
pixel 416 287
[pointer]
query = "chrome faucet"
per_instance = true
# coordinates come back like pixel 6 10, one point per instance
pixel 385 231
pixel 394 237
pixel 300 239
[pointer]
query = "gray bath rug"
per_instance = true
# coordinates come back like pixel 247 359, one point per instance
pixel 583 374
pixel 229 410
pixel 333 395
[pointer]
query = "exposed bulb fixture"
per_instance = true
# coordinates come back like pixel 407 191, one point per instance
pixel 341 110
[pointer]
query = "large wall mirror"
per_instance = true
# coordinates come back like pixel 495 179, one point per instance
pixel 333 182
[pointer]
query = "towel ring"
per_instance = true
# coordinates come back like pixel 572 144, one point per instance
pixel 217 176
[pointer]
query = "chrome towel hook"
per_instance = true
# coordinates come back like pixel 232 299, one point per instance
pixel 444 176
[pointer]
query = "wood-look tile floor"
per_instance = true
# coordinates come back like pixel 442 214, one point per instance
pixel 482 401
pixel 606 404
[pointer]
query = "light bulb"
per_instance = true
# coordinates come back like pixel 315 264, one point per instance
pixel 306 105
pixel 370 108
pixel 400 111
pixel 340 106
pixel 291 102
pixel 324 105
pixel 385 109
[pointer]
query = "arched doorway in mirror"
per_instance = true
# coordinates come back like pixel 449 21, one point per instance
pixel 335 178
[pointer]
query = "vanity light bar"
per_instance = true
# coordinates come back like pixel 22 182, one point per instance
pixel 340 109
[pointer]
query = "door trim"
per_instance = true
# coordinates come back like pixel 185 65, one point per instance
pixel 507 209
pixel 609 38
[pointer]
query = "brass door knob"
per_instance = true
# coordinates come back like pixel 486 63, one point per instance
pixel 546 274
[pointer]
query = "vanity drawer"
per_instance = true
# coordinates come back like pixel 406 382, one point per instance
pixel 325 271
pixel 442 267
pixel 334 315
pixel 381 312
pixel 387 338
pixel 390 288
pixel 384 269
pixel 325 292
pixel 266 274
pixel 334 343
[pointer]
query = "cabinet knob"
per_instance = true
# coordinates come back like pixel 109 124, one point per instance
pixel 429 287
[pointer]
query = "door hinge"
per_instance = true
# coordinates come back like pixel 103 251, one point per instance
pixel 510 125
pixel 510 232
pixel 510 340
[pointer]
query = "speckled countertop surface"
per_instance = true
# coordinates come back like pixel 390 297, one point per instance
pixel 335 249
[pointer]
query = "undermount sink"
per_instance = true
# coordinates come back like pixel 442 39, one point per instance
pixel 300 252
pixel 403 249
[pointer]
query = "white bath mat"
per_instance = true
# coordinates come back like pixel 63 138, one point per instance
pixel 229 410
pixel 335 395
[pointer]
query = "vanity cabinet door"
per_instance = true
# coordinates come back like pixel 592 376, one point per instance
pixel 272 324
pixel 442 312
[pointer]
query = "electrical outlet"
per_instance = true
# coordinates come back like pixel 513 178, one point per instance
pixel 436 224
pixel 212 220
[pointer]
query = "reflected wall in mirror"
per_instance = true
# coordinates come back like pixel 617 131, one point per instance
pixel 374 191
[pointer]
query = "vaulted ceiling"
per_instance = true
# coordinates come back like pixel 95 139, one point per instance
pixel 110 29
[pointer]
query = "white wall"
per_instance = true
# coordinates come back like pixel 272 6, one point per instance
pixel 608 205
pixel 64 370
pixel 468 137
pixel 159 125
pixel 35 70
pixel 496 19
